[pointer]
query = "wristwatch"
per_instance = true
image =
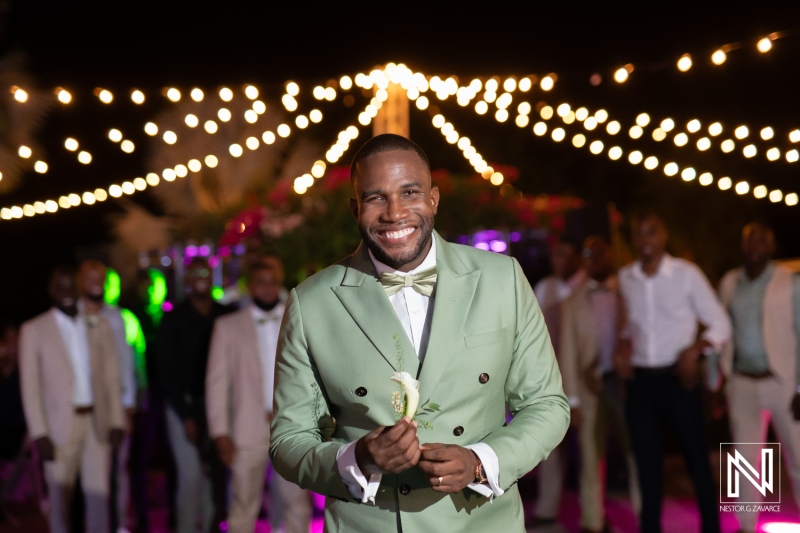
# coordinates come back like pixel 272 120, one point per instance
pixel 480 474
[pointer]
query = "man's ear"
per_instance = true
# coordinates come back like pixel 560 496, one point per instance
pixel 354 208
pixel 435 199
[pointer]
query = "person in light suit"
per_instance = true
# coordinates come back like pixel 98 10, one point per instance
pixel 71 396
pixel 239 384
pixel 760 363
pixel 463 321
pixel 589 331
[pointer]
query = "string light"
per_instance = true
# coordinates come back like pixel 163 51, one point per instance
pixel 685 63
pixel 63 95
pixel 137 97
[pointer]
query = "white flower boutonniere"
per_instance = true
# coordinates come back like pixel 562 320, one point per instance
pixel 406 401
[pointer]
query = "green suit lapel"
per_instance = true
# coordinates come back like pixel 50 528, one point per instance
pixel 362 295
pixel 455 289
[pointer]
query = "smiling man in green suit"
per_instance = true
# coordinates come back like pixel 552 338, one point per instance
pixel 463 321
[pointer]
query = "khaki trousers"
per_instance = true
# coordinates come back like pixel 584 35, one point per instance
pixel 752 404
pixel 84 452
pixel 602 415
pixel 289 504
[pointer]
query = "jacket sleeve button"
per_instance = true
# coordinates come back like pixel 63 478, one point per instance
pixel 483 378
pixel 361 391
pixel 458 431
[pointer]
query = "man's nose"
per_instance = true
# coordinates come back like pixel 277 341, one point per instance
pixel 395 210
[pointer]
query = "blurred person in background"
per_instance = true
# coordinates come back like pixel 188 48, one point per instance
pixel 659 355
pixel 71 395
pixel 239 386
pixel 589 331
pixel 567 275
pixel 92 276
pixel 182 348
pixel 13 430
pixel 760 365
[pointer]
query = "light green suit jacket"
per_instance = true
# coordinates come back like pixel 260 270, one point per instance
pixel 340 334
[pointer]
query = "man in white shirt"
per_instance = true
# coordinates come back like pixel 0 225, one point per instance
pixel 409 304
pixel 91 285
pixel 567 275
pixel 71 396
pixel 659 356
pixel 239 385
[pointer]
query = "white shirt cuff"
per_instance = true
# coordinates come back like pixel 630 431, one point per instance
pixel 491 465
pixel 355 481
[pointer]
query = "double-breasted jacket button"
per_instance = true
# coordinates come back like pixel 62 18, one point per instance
pixel 361 391
pixel 458 431
pixel 483 378
pixel 404 489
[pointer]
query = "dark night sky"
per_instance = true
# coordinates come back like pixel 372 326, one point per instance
pixel 155 44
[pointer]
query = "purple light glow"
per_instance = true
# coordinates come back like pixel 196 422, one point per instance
pixel 486 235
pixel 516 236
pixel 498 246
pixel 190 251
pixel 224 251
pixel 463 239
pixel 239 249
pixel 213 261
pixel 204 250
pixel 482 246
pixel 167 307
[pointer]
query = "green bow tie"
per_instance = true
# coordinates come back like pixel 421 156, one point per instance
pixel 422 282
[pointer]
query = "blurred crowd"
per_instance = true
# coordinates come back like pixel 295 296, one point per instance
pixel 94 395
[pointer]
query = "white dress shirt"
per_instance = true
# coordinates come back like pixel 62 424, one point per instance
pixel 663 311
pixel 73 332
pixel 414 310
pixel 268 325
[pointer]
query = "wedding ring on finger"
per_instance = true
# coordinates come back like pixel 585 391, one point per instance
pixel 440 482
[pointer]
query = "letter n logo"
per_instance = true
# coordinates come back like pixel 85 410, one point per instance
pixel 755 464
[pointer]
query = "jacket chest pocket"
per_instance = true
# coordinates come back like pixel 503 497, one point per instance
pixel 485 339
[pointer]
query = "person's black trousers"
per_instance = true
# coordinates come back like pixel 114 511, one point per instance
pixel 656 397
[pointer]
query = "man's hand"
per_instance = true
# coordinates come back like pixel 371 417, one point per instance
pixel 452 463
pixel 796 406
pixel 688 367
pixel 389 450
pixel 622 359
pixel 45 448
pixel 190 428
pixel 115 438
pixel 226 449
pixel 575 417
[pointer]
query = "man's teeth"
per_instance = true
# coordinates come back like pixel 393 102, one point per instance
pixel 399 234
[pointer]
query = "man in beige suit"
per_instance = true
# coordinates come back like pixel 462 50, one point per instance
pixel 239 384
pixel 760 363
pixel 589 332
pixel 71 396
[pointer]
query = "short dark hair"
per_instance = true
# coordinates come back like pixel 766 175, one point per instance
pixel 643 213
pixel 386 142
pixel 571 241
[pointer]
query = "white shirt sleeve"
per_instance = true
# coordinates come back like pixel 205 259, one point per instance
pixel 491 466
pixel 709 310
pixel 357 484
